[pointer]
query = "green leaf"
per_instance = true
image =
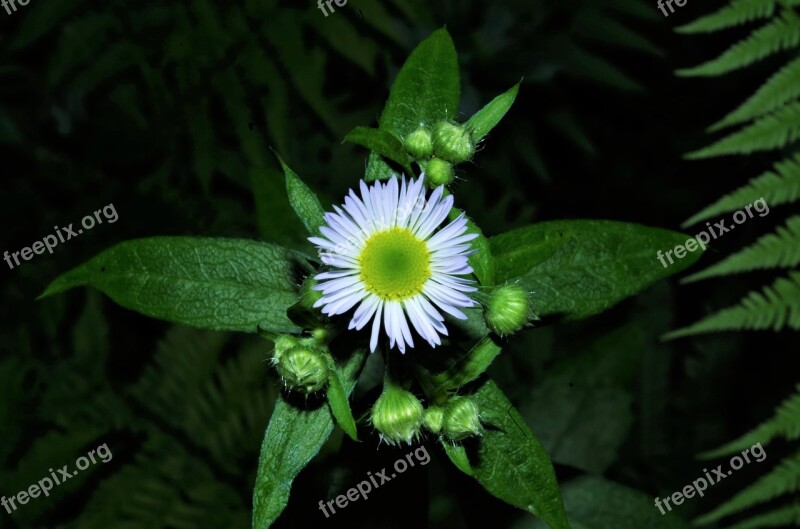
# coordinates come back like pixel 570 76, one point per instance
pixel 458 456
pixel 489 116
pixel 340 406
pixel 383 143
pixel 775 307
pixel 512 464
pixel 781 33
pixel 773 131
pixel 482 261
pixel 470 366
pixel 781 185
pixel 427 88
pixel 303 200
pixel 579 268
pixel 294 436
pixel 595 503
pixel 218 284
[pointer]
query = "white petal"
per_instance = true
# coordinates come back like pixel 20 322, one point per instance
pixel 376 327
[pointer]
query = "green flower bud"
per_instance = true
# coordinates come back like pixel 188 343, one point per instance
pixel 320 334
pixel 304 368
pixel 283 343
pixel 461 419
pixel 438 173
pixel 420 143
pixel 452 142
pixel 432 420
pixel 309 296
pixel 508 309
pixel 397 415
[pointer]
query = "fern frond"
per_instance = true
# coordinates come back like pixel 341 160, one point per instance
pixel 734 14
pixel 775 250
pixel 785 423
pixel 776 307
pixel 784 479
pixel 773 131
pixel 782 87
pixel 780 34
pixel 781 185
pixel 786 516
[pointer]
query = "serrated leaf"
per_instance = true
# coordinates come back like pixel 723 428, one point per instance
pixel 773 131
pixel 781 185
pixel 383 143
pixel 774 250
pixel 340 406
pixel 487 118
pixel 779 34
pixel 294 436
pixel 775 307
pixel 578 268
pixel 218 284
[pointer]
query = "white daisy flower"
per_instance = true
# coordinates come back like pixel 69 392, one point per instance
pixel 383 253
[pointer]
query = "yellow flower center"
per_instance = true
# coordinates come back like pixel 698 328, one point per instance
pixel 395 264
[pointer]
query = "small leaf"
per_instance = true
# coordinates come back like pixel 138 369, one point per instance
pixel 512 464
pixel 383 143
pixel 340 406
pixel 470 366
pixel 293 437
pixel 303 200
pixel 217 284
pixel 578 268
pixel 458 456
pixel 427 88
pixel 489 116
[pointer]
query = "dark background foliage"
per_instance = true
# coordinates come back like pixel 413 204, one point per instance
pixel 168 111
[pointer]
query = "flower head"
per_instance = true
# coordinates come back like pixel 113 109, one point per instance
pixel 386 256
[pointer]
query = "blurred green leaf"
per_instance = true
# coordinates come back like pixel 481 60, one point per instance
pixel 595 503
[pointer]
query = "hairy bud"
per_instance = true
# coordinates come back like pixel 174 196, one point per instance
pixel 461 419
pixel 452 142
pixel 397 415
pixel 508 309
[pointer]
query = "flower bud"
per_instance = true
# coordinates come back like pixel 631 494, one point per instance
pixel 309 296
pixel 438 173
pixel 303 368
pixel 508 309
pixel 452 142
pixel 397 415
pixel 432 420
pixel 461 419
pixel 283 343
pixel 420 143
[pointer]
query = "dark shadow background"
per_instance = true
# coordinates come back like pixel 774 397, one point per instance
pixel 168 111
